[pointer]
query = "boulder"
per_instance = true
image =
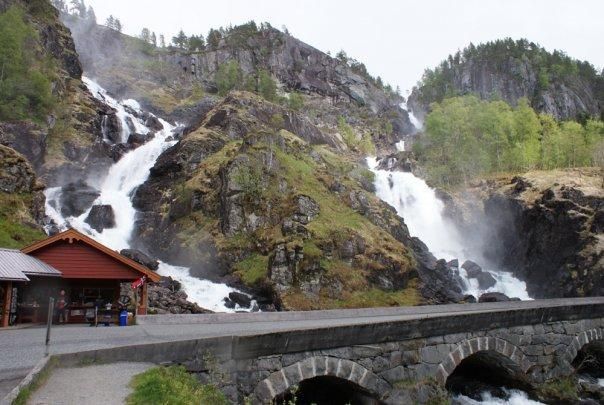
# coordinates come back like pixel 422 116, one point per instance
pixel 16 174
pixel 101 217
pixel 229 303
pixel 153 123
pixel 471 268
pixel 240 299
pixel 76 197
pixel 148 262
pixel 493 297
pixel 137 139
pixel 453 264
pixel 307 209
pixel 469 298
pixel 485 280
pixel 111 127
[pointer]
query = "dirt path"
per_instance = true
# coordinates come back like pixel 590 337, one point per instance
pixel 105 384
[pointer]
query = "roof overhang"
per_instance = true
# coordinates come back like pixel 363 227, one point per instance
pixel 72 235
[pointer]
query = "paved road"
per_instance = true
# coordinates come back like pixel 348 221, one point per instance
pixel 21 349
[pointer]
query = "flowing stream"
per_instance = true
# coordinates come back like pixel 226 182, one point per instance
pixel 118 188
pixel 516 397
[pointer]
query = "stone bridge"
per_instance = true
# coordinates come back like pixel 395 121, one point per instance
pixel 386 355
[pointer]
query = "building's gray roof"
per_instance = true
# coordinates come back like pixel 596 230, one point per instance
pixel 16 266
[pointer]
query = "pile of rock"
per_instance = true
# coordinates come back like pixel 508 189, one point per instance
pixel 165 297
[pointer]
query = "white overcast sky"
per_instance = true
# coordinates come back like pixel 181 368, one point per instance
pixel 396 40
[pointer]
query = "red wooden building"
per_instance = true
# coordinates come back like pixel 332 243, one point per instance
pixel 90 273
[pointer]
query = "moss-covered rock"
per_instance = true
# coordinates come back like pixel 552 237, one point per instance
pixel 21 201
pixel 277 212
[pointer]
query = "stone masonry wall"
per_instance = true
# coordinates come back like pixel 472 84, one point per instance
pixel 410 370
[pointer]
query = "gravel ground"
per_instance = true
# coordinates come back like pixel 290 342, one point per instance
pixel 105 384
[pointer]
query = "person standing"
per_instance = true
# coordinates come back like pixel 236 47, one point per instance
pixel 61 307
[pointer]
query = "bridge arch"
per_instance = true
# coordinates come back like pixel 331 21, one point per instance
pixel 477 345
pixel 280 382
pixel 581 340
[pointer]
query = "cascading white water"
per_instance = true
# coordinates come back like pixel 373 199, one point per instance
pixel 416 123
pixel 117 190
pixel 516 397
pixel 422 211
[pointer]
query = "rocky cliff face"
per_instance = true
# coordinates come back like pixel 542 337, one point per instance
pixel 67 145
pixel 259 196
pixel 166 80
pixel 21 200
pixel 545 227
pixel 554 83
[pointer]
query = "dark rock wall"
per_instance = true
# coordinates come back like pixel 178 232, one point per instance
pixel 553 242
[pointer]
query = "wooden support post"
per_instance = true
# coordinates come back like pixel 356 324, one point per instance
pixel 8 295
pixel 144 300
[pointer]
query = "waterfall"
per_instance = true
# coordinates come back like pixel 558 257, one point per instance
pixel 119 186
pixel 422 211
pixel 416 123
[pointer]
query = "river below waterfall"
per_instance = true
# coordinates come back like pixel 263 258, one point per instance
pixel 516 397
pixel 117 188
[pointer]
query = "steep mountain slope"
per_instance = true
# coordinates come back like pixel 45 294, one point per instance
pixel 63 144
pixel 259 194
pixel 553 82
pixel 171 82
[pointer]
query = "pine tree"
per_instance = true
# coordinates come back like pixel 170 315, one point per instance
pixel 214 39
pixel 91 16
pixel 110 22
pixel 162 41
pixel 118 25
pixel 153 39
pixel 79 7
pixel 145 35
pixel 180 40
pixel 196 43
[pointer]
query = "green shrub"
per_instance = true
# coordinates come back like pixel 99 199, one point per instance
pixel 295 101
pixel 173 386
pixel 228 77
pixel 364 144
pixel 267 87
pixel 25 90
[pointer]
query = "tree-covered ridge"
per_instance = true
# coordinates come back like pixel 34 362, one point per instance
pixel 466 137
pixel 533 68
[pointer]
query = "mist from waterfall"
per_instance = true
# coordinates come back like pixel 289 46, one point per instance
pixel 118 188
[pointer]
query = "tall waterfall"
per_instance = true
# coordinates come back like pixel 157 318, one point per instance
pixel 117 189
pixel 422 211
